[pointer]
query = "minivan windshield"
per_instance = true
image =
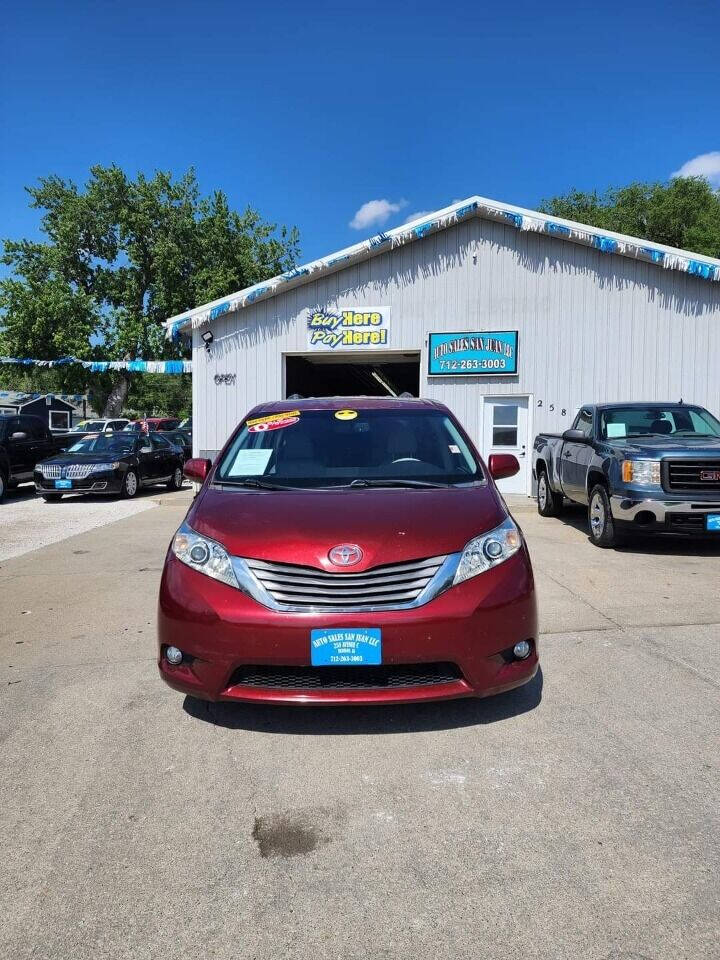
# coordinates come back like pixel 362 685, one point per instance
pixel 657 420
pixel 330 448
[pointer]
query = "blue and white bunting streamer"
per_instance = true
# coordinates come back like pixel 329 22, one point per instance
pixel 525 220
pixel 102 366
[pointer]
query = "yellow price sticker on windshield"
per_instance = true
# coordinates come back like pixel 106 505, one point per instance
pixel 345 414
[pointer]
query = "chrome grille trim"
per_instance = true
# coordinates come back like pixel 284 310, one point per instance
pixel 73 471
pixel 298 589
pixel 51 471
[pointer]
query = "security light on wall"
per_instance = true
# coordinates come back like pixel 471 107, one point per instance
pixel 207 338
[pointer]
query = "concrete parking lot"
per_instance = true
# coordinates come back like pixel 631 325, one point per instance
pixel 574 818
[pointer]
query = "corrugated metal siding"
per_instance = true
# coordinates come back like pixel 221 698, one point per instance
pixel 592 327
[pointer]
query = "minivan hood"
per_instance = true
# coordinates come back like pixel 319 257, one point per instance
pixel 389 525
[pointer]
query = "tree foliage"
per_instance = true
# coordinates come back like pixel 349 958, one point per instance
pixel 683 213
pixel 120 256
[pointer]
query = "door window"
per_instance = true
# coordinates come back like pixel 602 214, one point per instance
pixel 584 422
pixel 159 443
pixel 505 425
pixel 33 427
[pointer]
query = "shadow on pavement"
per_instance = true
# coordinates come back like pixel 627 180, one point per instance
pixel 401 718
pixel 660 544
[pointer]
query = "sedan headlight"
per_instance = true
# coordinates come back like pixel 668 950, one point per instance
pixel 646 473
pixel 99 467
pixel 204 555
pixel 488 551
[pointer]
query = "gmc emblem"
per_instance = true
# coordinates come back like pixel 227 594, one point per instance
pixel 710 474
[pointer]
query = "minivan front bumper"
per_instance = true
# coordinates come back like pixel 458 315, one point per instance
pixel 463 635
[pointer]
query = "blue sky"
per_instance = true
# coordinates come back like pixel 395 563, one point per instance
pixel 310 111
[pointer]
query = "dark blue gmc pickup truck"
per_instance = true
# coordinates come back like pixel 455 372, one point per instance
pixel 639 467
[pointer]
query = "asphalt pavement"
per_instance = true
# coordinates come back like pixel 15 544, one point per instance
pixel 574 818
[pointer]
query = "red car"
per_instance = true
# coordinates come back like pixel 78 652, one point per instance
pixel 150 424
pixel 348 551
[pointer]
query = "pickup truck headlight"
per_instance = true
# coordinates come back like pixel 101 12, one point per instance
pixel 646 473
pixel 204 555
pixel 99 467
pixel 488 551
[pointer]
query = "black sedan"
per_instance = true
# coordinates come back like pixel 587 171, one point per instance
pixel 111 463
pixel 182 439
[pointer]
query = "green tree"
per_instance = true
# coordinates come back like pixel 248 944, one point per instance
pixel 120 256
pixel 683 213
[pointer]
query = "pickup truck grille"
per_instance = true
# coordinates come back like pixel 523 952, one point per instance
pixel 390 587
pixel 692 475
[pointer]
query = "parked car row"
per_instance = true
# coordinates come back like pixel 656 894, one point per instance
pixel 638 467
pixel 114 461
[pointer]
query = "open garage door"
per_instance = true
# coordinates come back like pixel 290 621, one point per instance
pixel 338 376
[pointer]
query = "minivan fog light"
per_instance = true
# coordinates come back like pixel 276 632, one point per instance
pixel 173 655
pixel 522 650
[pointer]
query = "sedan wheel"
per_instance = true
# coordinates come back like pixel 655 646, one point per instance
pixel 130 484
pixel 177 479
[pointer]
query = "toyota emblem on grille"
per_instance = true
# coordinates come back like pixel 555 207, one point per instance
pixel 710 474
pixel 345 555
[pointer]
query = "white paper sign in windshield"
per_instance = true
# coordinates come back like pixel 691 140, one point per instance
pixel 351 328
pixel 250 463
pixel 615 430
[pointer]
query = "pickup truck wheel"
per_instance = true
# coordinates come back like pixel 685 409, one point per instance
pixel 603 531
pixel 549 503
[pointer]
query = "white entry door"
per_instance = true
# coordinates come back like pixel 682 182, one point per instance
pixel 505 430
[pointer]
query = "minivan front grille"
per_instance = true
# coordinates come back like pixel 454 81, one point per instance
pixel 393 586
pixel 346 678
pixel 693 474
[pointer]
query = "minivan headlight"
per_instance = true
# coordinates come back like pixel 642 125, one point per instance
pixel 204 555
pixel 488 551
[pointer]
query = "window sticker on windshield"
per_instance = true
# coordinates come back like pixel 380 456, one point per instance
pixel 273 425
pixel 250 463
pixel 615 430
pixel 345 414
pixel 274 416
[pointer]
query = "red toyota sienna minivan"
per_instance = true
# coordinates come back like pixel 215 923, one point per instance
pixel 348 550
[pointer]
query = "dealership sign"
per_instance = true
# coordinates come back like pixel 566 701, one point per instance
pixel 487 353
pixel 358 328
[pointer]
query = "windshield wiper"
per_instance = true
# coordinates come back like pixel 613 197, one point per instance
pixel 361 482
pixel 255 484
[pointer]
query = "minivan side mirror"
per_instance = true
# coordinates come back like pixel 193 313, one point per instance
pixel 575 436
pixel 503 465
pixel 197 469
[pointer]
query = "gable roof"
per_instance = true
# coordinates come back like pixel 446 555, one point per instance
pixel 605 241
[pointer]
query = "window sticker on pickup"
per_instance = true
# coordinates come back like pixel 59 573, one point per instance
pixel 615 430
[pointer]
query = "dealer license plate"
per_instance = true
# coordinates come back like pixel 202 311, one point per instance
pixel 712 522
pixel 63 484
pixel 356 646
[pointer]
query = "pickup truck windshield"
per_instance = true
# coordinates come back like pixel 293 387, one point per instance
pixel 324 448
pixel 641 421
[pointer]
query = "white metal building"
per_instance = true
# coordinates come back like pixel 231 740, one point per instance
pixel 510 317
